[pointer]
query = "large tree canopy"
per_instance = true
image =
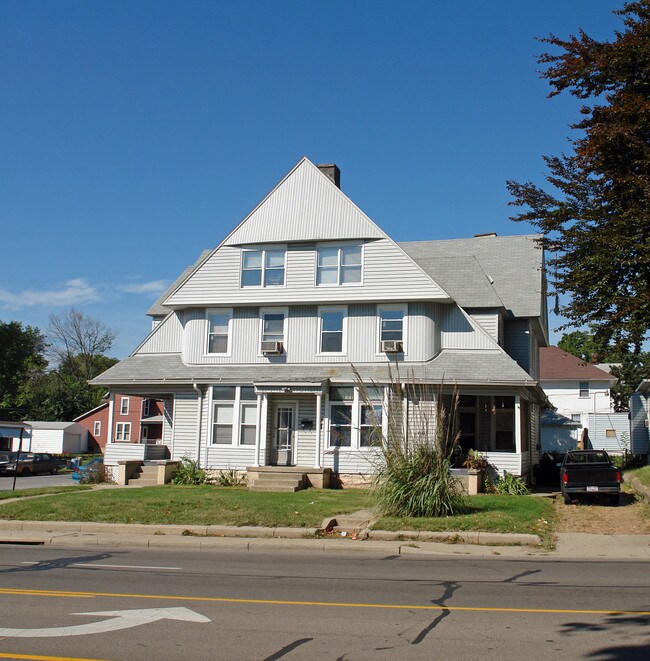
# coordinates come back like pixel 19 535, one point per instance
pixel 596 221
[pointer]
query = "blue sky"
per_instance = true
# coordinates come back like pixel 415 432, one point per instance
pixel 136 134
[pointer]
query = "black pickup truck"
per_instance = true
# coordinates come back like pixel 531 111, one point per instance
pixel 589 473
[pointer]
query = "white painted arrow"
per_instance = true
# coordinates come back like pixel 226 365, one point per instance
pixel 124 619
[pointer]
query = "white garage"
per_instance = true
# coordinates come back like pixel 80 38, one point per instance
pixel 56 438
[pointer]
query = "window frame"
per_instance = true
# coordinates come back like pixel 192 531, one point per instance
pixel 124 404
pixel 584 392
pixel 403 308
pixel 344 330
pixel 123 429
pixel 263 268
pixel 208 314
pixel 146 407
pixel 339 263
pixel 97 428
pixel 272 310
pixel 356 404
pixel 237 405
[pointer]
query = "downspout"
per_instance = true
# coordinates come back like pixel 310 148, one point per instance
pixel 200 422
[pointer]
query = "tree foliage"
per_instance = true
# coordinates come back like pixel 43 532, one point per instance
pixel 22 361
pixel 596 222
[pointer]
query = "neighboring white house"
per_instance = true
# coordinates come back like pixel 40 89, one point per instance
pixel 580 393
pixel 55 438
pixel 254 348
pixel 639 419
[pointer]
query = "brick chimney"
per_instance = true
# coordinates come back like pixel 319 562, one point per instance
pixel 330 170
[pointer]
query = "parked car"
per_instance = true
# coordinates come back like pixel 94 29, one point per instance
pixel 590 473
pixel 29 463
pixel 79 472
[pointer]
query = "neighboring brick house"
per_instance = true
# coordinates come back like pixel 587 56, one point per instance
pixel 136 420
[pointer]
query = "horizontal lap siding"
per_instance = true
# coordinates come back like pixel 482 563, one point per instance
pixel 185 425
pixel 505 461
pixel 639 432
pixel 517 341
pixel 351 461
pixel 114 452
pixel 598 438
pixel 306 439
pixel 225 457
pixel 46 440
pixel 489 321
pixel 166 338
pixel 457 331
pixel 388 273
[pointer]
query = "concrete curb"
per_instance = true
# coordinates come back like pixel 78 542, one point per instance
pixel 174 532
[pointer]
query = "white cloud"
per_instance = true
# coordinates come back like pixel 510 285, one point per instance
pixel 72 292
pixel 152 287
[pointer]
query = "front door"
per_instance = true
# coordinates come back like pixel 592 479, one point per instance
pixel 284 427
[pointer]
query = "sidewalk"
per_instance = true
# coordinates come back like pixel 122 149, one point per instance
pixel 570 546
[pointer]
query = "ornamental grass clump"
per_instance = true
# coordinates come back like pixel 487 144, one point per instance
pixel 415 453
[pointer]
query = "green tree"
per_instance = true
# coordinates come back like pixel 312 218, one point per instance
pixel 22 360
pixel 596 222
pixel 586 345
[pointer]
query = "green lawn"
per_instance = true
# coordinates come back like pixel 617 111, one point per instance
pixel 513 514
pixel 642 474
pixel 40 491
pixel 191 505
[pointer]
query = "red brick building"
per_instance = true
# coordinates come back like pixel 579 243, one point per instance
pixel 135 420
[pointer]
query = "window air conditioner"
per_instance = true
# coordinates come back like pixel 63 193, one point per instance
pixel 391 346
pixel 271 348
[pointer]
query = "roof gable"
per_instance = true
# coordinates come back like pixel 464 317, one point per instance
pixel 312 208
pixel 555 364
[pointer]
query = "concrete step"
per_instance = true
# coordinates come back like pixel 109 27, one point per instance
pixel 144 481
pixel 275 487
pixel 278 479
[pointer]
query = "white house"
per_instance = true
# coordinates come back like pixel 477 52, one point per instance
pixel 580 393
pixel 253 349
pixel 639 419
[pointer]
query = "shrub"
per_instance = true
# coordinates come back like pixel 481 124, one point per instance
pixel 412 472
pixel 230 478
pixel 188 472
pixel 510 485
pixel 94 474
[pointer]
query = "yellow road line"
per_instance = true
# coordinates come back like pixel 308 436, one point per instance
pixel 39 657
pixel 327 604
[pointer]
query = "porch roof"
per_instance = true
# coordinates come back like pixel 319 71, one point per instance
pixel 453 367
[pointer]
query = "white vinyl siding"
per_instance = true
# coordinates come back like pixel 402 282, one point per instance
pixel 217 282
pixel 166 337
pixel 185 425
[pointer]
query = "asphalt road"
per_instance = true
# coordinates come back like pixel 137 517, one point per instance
pixel 226 605
pixel 33 481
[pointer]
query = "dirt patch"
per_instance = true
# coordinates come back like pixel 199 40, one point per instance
pixel 631 517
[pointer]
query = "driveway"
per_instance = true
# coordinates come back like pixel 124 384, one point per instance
pixel 33 481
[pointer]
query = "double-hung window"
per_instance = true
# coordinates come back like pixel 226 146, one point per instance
pixel 391 324
pixel 584 389
pixel 123 431
pixel 339 265
pixel 234 415
pixel 219 322
pixel 146 408
pixel 273 323
pixel 263 267
pixel 341 405
pixel 332 330
pixel 247 416
pixel 124 406
pixel 371 417
pixel 97 428
pixel 223 414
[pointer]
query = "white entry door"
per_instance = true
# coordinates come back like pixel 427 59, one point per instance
pixel 284 430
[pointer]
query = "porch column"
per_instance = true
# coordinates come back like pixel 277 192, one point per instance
pixel 318 462
pixel 263 429
pixel 258 431
pixel 518 427
pixel 111 409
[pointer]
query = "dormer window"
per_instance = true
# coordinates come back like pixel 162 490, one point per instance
pixel 263 268
pixel 339 265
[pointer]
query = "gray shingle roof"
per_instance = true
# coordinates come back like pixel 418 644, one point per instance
pixel 158 309
pixel 464 267
pixel 462 367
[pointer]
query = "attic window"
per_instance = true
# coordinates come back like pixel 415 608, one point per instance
pixel 263 268
pixel 339 265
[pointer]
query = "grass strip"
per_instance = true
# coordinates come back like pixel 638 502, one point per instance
pixel 641 474
pixel 40 491
pixel 192 505
pixel 488 513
